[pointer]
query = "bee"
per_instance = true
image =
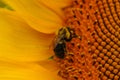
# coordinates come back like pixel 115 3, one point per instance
pixel 64 35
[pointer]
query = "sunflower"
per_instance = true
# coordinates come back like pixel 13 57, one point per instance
pixel 92 53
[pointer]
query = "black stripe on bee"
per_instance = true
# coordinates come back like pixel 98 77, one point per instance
pixel 60 50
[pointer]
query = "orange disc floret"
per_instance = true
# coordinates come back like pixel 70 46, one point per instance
pixel 94 52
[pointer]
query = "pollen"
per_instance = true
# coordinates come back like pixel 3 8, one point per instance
pixel 94 54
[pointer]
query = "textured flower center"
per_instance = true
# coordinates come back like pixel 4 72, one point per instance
pixel 94 54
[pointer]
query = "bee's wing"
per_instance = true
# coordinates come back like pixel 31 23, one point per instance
pixel 56 40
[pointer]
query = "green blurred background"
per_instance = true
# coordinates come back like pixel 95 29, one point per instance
pixel 4 5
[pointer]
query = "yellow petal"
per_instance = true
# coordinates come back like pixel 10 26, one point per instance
pixel 21 42
pixel 37 15
pixel 25 71
pixel 52 66
pixel 56 5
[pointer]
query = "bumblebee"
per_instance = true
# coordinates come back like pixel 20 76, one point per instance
pixel 64 35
